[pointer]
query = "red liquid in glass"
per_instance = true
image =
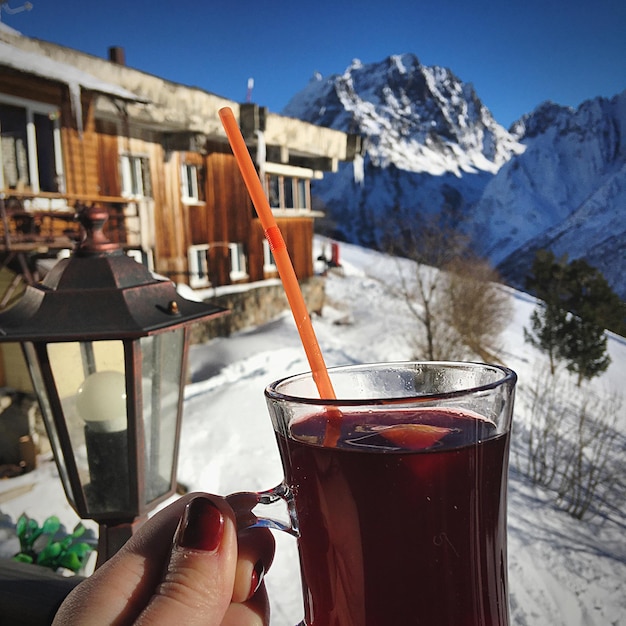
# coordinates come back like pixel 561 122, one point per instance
pixel 393 535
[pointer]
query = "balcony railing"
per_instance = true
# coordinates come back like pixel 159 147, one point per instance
pixel 49 218
pixel 35 226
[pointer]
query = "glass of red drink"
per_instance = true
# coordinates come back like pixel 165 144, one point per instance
pixel 397 492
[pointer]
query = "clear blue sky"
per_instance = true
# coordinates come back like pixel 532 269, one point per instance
pixel 517 53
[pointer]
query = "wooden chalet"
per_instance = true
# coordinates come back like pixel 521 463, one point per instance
pixel 77 129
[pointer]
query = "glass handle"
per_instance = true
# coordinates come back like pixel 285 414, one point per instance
pixel 280 497
pixel 244 503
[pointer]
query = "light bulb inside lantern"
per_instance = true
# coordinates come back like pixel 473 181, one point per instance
pixel 101 401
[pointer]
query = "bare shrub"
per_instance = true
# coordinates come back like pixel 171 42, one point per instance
pixel 588 465
pixel 423 289
pixel 570 442
pixel 453 297
pixel 430 245
pixel 545 432
pixel 478 308
pixel 461 310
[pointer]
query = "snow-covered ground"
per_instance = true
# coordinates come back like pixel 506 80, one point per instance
pixel 563 572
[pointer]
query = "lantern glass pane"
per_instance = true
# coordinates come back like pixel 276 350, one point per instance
pixel 91 386
pixel 162 356
pixel 48 417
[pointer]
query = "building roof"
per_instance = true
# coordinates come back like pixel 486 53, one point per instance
pixel 154 102
pixel 41 65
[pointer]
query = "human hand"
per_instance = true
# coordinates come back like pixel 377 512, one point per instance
pixel 186 565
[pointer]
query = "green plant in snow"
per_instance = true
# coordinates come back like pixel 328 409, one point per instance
pixel 40 544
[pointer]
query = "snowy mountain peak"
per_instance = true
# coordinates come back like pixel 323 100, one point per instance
pixel 415 117
pixel 566 192
pixel 543 117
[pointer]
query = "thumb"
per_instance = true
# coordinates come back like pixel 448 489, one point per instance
pixel 197 585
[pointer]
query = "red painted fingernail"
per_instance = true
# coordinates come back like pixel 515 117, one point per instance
pixel 202 526
pixel 258 573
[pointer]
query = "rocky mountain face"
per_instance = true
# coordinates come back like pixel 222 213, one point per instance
pixel 418 118
pixel 556 179
pixel 566 192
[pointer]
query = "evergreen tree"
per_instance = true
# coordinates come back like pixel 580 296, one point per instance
pixel 578 304
pixel 585 349
pixel 591 297
pixel 547 331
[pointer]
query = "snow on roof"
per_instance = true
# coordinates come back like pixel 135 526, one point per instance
pixel 5 28
pixel 41 65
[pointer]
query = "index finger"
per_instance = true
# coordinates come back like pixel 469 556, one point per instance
pixel 125 585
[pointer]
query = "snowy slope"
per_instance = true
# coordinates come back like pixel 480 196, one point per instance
pixel 562 572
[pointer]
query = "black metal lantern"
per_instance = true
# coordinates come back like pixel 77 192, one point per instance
pixel 106 345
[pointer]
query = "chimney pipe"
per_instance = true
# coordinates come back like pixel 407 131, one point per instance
pixel 117 55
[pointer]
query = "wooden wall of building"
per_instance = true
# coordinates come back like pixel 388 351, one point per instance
pixel 163 223
pixel 22 86
pixel 228 206
pixel 298 236
pixel 255 251
pixel 224 217
pixel 108 168
pixel 80 149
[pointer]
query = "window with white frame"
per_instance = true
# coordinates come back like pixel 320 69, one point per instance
pixel 274 191
pixel 135 174
pixel 288 192
pixel 269 263
pixel 303 193
pixel 30 146
pixel 190 189
pixel 198 265
pixel 290 197
pixel 237 261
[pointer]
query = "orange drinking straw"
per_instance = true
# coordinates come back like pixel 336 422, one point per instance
pixel 283 263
